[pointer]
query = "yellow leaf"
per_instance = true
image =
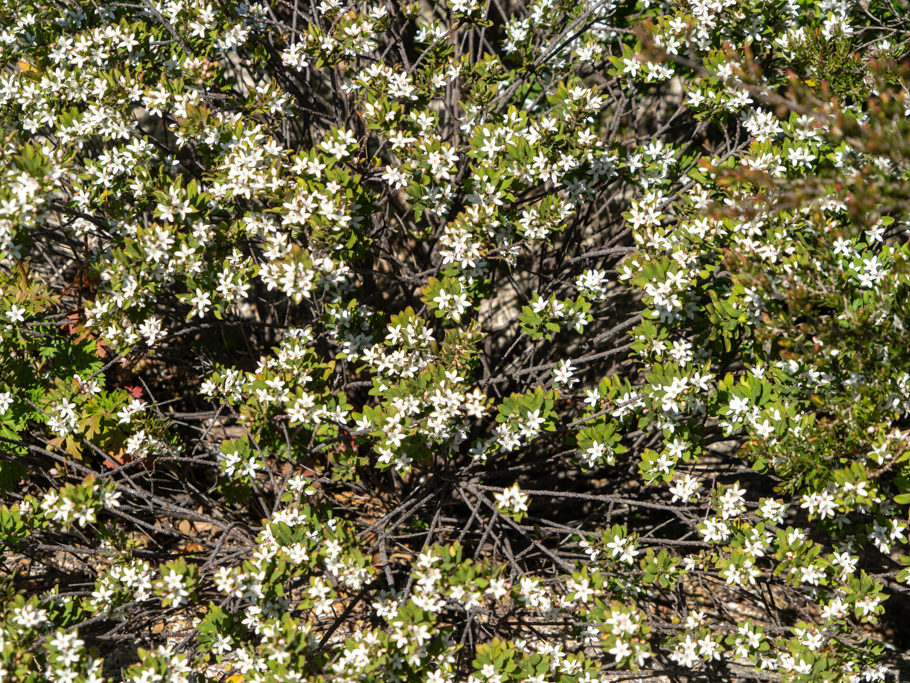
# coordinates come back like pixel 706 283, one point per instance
pixel 73 448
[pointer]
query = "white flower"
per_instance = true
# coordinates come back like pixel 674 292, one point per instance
pixel 620 651
pixel 685 489
pixel 773 510
pixel 715 530
pixel 685 653
pixel 562 373
pixel 84 516
pixel 631 66
pixel 152 330
pixel 530 424
pixel 867 605
pixel 821 503
pixel 512 501
pixel 125 414
pixel 201 302
pixel 63 421
pixel 738 405
pixel 29 616
pixel 731 502
pixel 763 126
pixel 16 314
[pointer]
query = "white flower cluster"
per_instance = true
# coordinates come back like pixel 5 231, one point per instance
pixel 512 502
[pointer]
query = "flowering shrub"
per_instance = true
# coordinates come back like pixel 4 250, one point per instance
pixel 523 341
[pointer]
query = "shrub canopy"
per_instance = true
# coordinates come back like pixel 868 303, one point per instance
pixel 505 341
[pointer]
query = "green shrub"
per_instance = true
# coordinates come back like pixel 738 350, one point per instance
pixel 454 341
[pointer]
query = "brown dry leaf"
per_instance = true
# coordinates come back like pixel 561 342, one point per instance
pixel 117 459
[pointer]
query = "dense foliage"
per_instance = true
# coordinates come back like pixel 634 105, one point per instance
pixel 533 340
